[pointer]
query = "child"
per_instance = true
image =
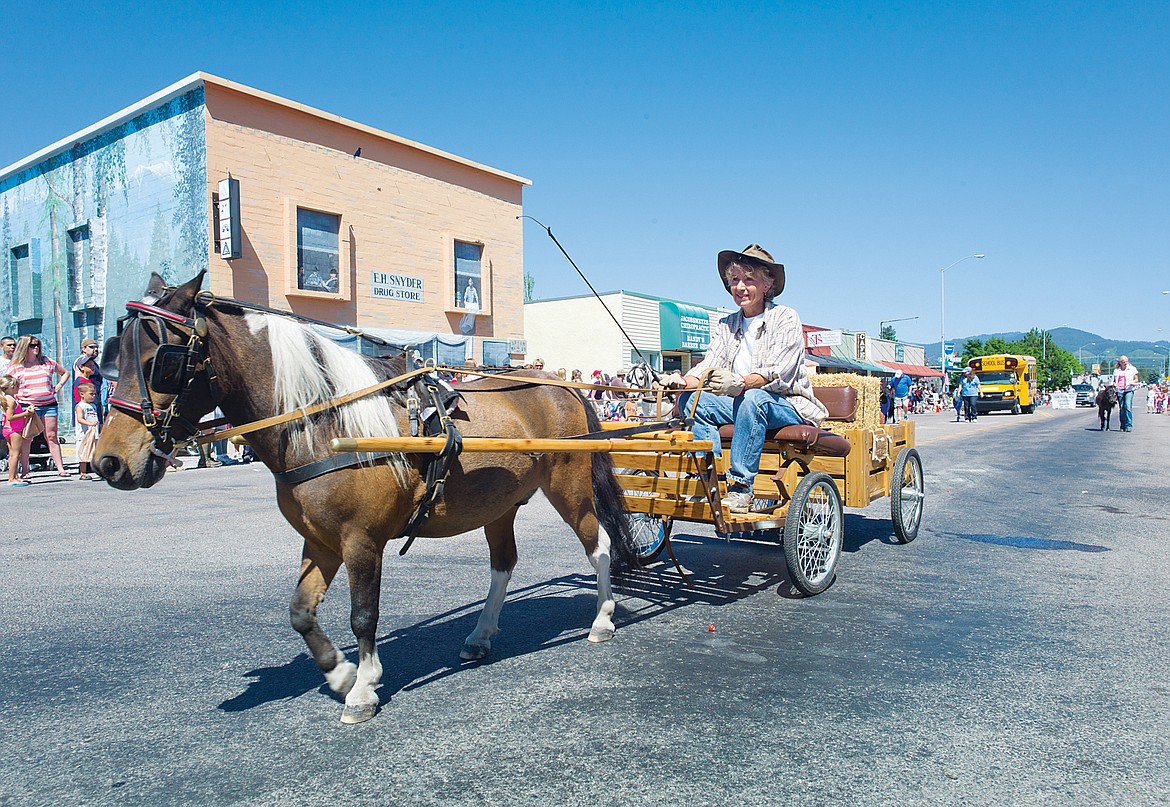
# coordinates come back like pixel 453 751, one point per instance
pixel 85 421
pixel 84 376
pixel 957 400
pixel 14 416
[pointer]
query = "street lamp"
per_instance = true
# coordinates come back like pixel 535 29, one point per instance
pixel 886 322
pixel 942 314
pixel 1081 358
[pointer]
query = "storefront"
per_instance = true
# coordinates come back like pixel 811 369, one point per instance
pixel 281 204
pixel 577 332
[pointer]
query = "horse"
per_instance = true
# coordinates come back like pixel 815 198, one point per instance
pixel 1106 400
pixel 254 363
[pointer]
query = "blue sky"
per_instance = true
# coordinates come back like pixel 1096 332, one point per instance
pixel 866 145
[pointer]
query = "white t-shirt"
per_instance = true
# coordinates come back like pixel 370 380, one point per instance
pixel 742 363
pixel 1125 379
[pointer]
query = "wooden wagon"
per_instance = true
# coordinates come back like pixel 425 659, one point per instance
pixel 807 475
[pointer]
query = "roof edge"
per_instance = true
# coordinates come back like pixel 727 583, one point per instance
pixel 199 77
pixel 371 130
pixel 105 124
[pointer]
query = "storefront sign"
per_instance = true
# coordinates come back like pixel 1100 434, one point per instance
pixel 824 338
pixel 228 211
pixel 862 347
pixel 386 286
pixel 518 347
pixel 683 327
pixel 900 353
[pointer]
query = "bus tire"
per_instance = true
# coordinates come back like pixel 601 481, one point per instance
pixel 1016 408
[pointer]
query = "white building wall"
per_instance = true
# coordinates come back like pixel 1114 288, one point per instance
pixel 915 354
pixel 575 334
pixel 640 319
pixel 881 350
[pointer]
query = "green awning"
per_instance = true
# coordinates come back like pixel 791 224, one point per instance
pixel 683 327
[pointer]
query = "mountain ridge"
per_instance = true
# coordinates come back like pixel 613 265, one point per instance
pixel 1086 345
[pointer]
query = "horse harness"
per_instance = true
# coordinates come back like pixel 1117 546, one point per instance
pixel 177 368
pixel 174 370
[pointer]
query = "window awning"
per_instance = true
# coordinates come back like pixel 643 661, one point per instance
pixel 683 327
pixel 843 364
pixel 915 370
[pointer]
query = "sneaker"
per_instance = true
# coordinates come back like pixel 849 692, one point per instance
pixel 739 501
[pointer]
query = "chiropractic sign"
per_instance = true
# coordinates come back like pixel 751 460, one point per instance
pixel 387 286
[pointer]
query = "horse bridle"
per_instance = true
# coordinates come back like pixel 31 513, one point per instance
pixel 174 371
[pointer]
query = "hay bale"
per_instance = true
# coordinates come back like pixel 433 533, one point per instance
pixel 869 393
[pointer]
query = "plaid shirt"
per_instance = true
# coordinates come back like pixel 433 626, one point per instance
pixel 778 357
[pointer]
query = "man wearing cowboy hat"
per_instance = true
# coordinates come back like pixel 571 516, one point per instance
pixel 757 376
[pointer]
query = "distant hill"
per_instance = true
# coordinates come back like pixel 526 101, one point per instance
pixel 1092 347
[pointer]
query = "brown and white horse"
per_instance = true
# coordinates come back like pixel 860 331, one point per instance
pixel 266 364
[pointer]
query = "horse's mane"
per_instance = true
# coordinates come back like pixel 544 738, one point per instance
pixel 309 368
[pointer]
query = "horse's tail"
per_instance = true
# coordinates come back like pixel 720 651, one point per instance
pixel 607 498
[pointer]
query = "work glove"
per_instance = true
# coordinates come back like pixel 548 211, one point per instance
pixel 725 382
pixel 670 382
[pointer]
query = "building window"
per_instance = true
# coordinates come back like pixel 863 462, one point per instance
pixel 77 266
pixel 468 276
pixel 26 284
pixel 496 353
pixel 318 249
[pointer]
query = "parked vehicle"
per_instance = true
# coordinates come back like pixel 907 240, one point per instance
pixel 1086 395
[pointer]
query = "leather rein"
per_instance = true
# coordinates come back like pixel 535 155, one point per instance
pixel 169 428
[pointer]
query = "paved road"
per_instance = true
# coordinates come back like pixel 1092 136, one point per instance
pixel 1015 653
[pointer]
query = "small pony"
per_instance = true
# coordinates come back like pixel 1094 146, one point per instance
pixel 1106 400
pixel 181 352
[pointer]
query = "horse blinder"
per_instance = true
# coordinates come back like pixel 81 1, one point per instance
pixel 166 372
pixel 108 363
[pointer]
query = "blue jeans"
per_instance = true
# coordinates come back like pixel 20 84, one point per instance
pixel 1125 399
pixel 754 413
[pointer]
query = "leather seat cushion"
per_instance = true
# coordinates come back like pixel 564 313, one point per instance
pixel 804 438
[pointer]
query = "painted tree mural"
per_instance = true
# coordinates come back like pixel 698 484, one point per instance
pixel 88 225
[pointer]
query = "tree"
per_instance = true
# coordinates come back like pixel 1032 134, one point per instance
pixel 887 332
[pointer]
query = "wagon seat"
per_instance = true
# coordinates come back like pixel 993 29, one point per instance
pixel 842 405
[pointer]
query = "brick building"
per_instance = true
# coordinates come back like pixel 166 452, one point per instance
pixel 336 220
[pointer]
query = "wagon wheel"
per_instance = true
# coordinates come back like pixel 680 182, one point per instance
pixel 907 496
pixel 649 532
pixel 813 533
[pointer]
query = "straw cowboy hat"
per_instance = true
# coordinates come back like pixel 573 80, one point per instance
pixel 753 254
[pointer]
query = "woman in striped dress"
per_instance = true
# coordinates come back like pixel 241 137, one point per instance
pixel 35 373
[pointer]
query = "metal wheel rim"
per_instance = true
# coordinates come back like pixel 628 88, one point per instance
pixel 646 531
pixel 910 494
pixel 818 534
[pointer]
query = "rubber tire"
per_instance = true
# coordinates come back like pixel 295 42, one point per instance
pixel 1016 408
pixel 905 533
pixel 648 531
pixel 649 534
pixel 817 480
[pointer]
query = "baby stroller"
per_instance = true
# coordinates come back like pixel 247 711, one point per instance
pixel 39 458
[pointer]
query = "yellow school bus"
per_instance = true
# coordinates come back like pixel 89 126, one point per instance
pixel 1007 383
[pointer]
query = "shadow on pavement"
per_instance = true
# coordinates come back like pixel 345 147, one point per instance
pixel 559 611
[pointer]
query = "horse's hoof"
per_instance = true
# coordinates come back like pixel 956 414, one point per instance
pixel 359 713
pixel 601 635
pixel 474 652
pixel 342 677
